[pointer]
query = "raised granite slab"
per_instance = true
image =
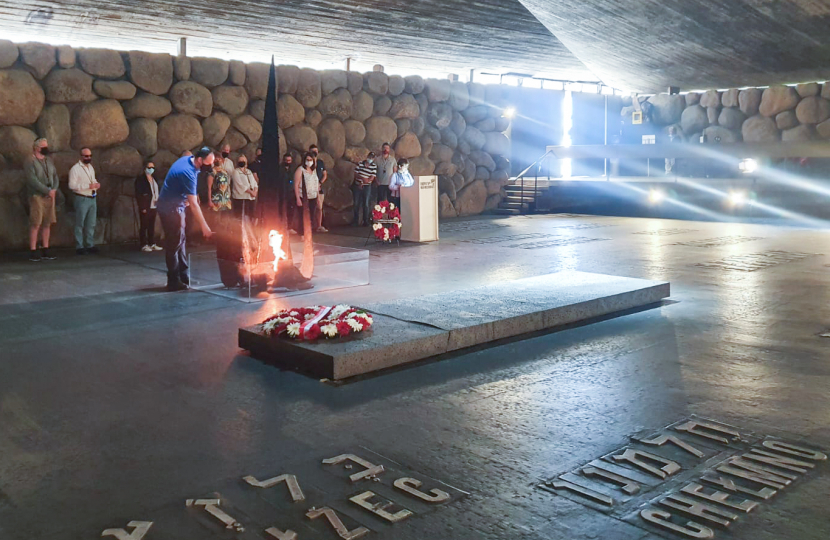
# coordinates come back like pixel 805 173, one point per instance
pixel 414 329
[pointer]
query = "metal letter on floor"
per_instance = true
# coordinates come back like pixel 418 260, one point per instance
pixel 139 530
pixel 338 525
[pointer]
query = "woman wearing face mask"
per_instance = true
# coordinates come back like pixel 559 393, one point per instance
pixel 219 189
pixel 401 178
pixel 244 189
pixel 147 196
pixel 306 188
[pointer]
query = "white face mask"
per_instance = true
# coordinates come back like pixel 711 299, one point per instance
pixel 309 163
pixel 149 170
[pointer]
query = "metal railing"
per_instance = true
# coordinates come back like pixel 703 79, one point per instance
pixel 537 167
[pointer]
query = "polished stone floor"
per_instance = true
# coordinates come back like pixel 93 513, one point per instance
pixel 118 401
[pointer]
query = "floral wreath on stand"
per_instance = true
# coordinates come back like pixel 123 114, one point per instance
pixel 310 323
pixel 388 212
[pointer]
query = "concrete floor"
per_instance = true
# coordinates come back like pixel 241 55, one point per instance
pixel 118 401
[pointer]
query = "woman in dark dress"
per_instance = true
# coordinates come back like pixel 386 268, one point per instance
pixel 147 195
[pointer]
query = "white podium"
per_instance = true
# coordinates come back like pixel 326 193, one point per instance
pixel 419 210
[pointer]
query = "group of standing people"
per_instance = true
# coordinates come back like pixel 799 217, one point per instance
pixel 378 180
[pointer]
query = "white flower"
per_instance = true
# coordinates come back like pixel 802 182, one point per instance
pixel 293 329
pixel 377 226
pixel 268 327
pixel 294 313
pixel 378 208
pixel 337 311
pixel 391 206
pixel 356 326
pixel 329 330
pixel 309 316
pixel 386 234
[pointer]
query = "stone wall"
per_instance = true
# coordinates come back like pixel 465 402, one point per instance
pixel 778 113
pixel 131 106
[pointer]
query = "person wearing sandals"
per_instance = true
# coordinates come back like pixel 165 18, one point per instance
pixel 147 196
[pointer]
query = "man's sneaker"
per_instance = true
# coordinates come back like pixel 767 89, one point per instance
pixel 176 286
pixel 80 251
pixel 93 250
pixel 322 229
pixel 156 247
pixel 34 256
pixel 146 249
pixel 48 256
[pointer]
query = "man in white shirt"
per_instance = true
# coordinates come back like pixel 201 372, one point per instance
pixel 227 162
pixel 83 184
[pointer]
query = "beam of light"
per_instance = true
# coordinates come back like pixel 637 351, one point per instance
pixel 737 198
pixel 567 124
pixel 656 196
pixel 510 113
pixel 671 200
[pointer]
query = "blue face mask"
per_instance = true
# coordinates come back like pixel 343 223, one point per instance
pixel 149 170
pixel 370 160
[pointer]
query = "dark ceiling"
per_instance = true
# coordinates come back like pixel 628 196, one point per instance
pixel 411 35
pixel 648 45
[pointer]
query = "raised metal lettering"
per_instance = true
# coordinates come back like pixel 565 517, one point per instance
pixel 337 525
pixel 626 484
pixel 756 454
pixel 691 530
pixel 634 457
pixel 371 468
pixel 411 485
pixel 703 511
pixel 362 500
pixel 212 508
pixel 280 535
pixel 140 528
pixel 585 492
pixel 794 450
pixel 710 431
pixel 696 490
pixel 751 471
pixel 680 443
pixel 729 485
pixel 289 479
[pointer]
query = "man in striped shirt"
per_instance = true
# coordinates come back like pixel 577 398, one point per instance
pixel 364 175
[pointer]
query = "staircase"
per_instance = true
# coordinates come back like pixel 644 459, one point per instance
pixel 524 191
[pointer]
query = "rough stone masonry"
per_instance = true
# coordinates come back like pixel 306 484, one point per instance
pixel 132 106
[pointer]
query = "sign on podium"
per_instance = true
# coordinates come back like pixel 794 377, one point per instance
pixel 419 210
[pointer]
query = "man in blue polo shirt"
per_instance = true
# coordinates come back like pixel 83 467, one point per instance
pixel 178 192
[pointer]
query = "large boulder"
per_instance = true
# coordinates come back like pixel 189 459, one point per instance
pixel 472 199
pixel 8 53
pixel 423 102
pixel 404 106
pixel 38 58
pixel 16 144
pixel 749 101
pixel 355 154
pixel 449 138
pixel 418 125
pixel 469 171
pixel 720 134
pixel 786 120
pixel 68 86
pixel 482 173
pixel 234 139
pixel 667 109
pixel 404 126
pixel 426 144
pixel 21 98
pixel 397 85
pixel 376 82
pixel 441 153
pixel 496 143
pixel 189 97
pixel 236 72
pixel 823 129
pixel 439 115
pixel 309 92
pixel 54 125
pixel 458 124
pixel 379 130
pixel 215 127
pixel 825 90
pixel 713 113
pixel 121 160
pixel 459 96
pixel 338 104
pixel 760 128
pixel 474 138
pixel 445 208
pixel 446 168
pixel 256 109
pixel 147 106
pixel 354 82
pixel 488 124
pixel 313 117
pixel 256 79
pixel 120 90
pixel 12 182
pixel 802 133
pixel 362 106
pixel 332 137
pixel 300 137
pixel 475 113
pixel 14 226
pixel 408 147
pixel 290 112
pixel 99 124
pixel 332 79
pixel 432 133
pixel 414 84
pixel 382 106
pixel 730 118
pixel 694 119
pixel 231 99
pixel 144 136
pixel 813 110
pixel 101 63
pixel 288 78
pixel 437 90
pixel 730 97
pixel 248 126
pixel 180 132
pixel 711 99
pixel 483 159
pixel 355 132
pixel 446 185
pixel 151 72
pixel 421 166
pixel 181 68
pixel 808 89
pixel 692 98
pixel 209 72
pixel 777 99
pixel 163 159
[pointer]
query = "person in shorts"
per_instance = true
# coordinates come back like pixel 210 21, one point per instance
pixel 41 190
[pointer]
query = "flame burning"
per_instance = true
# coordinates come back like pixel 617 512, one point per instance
pixel 275 240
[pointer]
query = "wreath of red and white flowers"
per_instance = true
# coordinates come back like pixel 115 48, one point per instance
pixel 387 212
pixel 310 323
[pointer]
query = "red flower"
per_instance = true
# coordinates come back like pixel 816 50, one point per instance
pixel 312 333
pixel 363 322
pixel 379 234
pixel 279 330
pixel 343 328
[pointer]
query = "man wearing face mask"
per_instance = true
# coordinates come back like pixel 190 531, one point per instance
pixel 364 176
pixel 83 184
pixel 227 163
pixel 245 189
pixel 178 192
pixel 41 190
pixel 322 175
pixel 387 166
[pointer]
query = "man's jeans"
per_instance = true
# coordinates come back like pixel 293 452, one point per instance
pixel 361 200
pixel 86 214
pixel 175 244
